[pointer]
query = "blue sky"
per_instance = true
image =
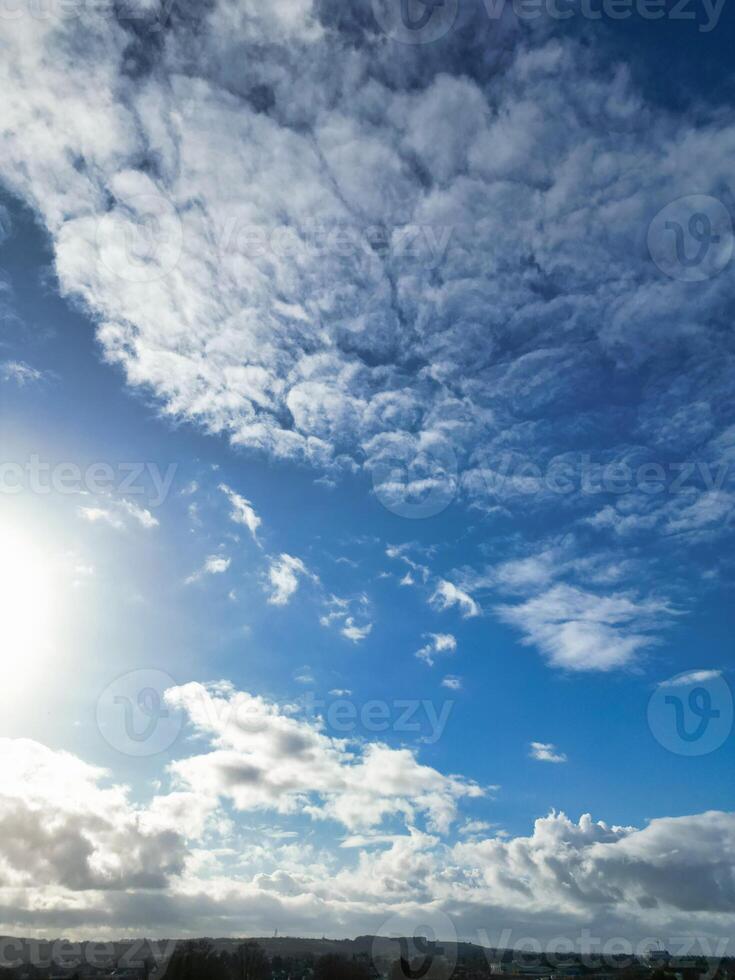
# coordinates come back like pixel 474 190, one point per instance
pixel 407 409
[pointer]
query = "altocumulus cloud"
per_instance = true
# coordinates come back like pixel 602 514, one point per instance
pixel 493 335
pixel 95 862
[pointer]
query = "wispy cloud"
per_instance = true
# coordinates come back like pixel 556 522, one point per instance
pixel 446 595
pixel 350 616
pixel 693 677
pixel 118 514
pixel 213 565
pixel 284 573
pixel 242 511
pixel 20 373
pixel 437 643
pixel 546 752
pixel 581 630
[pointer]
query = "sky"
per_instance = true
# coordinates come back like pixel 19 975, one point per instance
pixel 367 416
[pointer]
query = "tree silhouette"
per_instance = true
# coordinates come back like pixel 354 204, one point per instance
pixel 332 966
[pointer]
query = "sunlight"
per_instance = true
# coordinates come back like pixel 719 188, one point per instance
pixel 27 606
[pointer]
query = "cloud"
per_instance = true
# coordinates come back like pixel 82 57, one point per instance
pixel 622 870
pixel 213 565
pixel 118 514
pixel 91 839
pixel 284 573
pixel 580 630
pixel 546 752
pixel 101 862
pixel 304 675
pixel 452 682
pixel 447 595
pixel 242 511
pixel 91 858
pixel 352 631
pixel 264 758
pixel 438 643
pixel 693 677
pixel 363 297
pixel 18 372
pixel 349 615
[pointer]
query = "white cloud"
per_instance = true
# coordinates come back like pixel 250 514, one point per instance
pixel 242 511
pixel 304 675
pixel 213 565
pixel 100 862
pixel 546 752
pixel 118 513
pixel 452 682
pixel 411 367
pixel 349 616
pixel 93 838
pixel 352 631
pixel 693 677
pixel 447 595
pixel 579 630
pixel 264 758
pixel 471 828
pixel 19 372
pixel 284 573
pixel 97 515
pixel 438 643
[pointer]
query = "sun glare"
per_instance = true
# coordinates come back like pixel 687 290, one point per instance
pixel 27 606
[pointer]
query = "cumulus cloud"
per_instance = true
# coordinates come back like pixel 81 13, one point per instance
pixel 623 870
pixel 93 838
pixel 92 860
pixel 265 758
